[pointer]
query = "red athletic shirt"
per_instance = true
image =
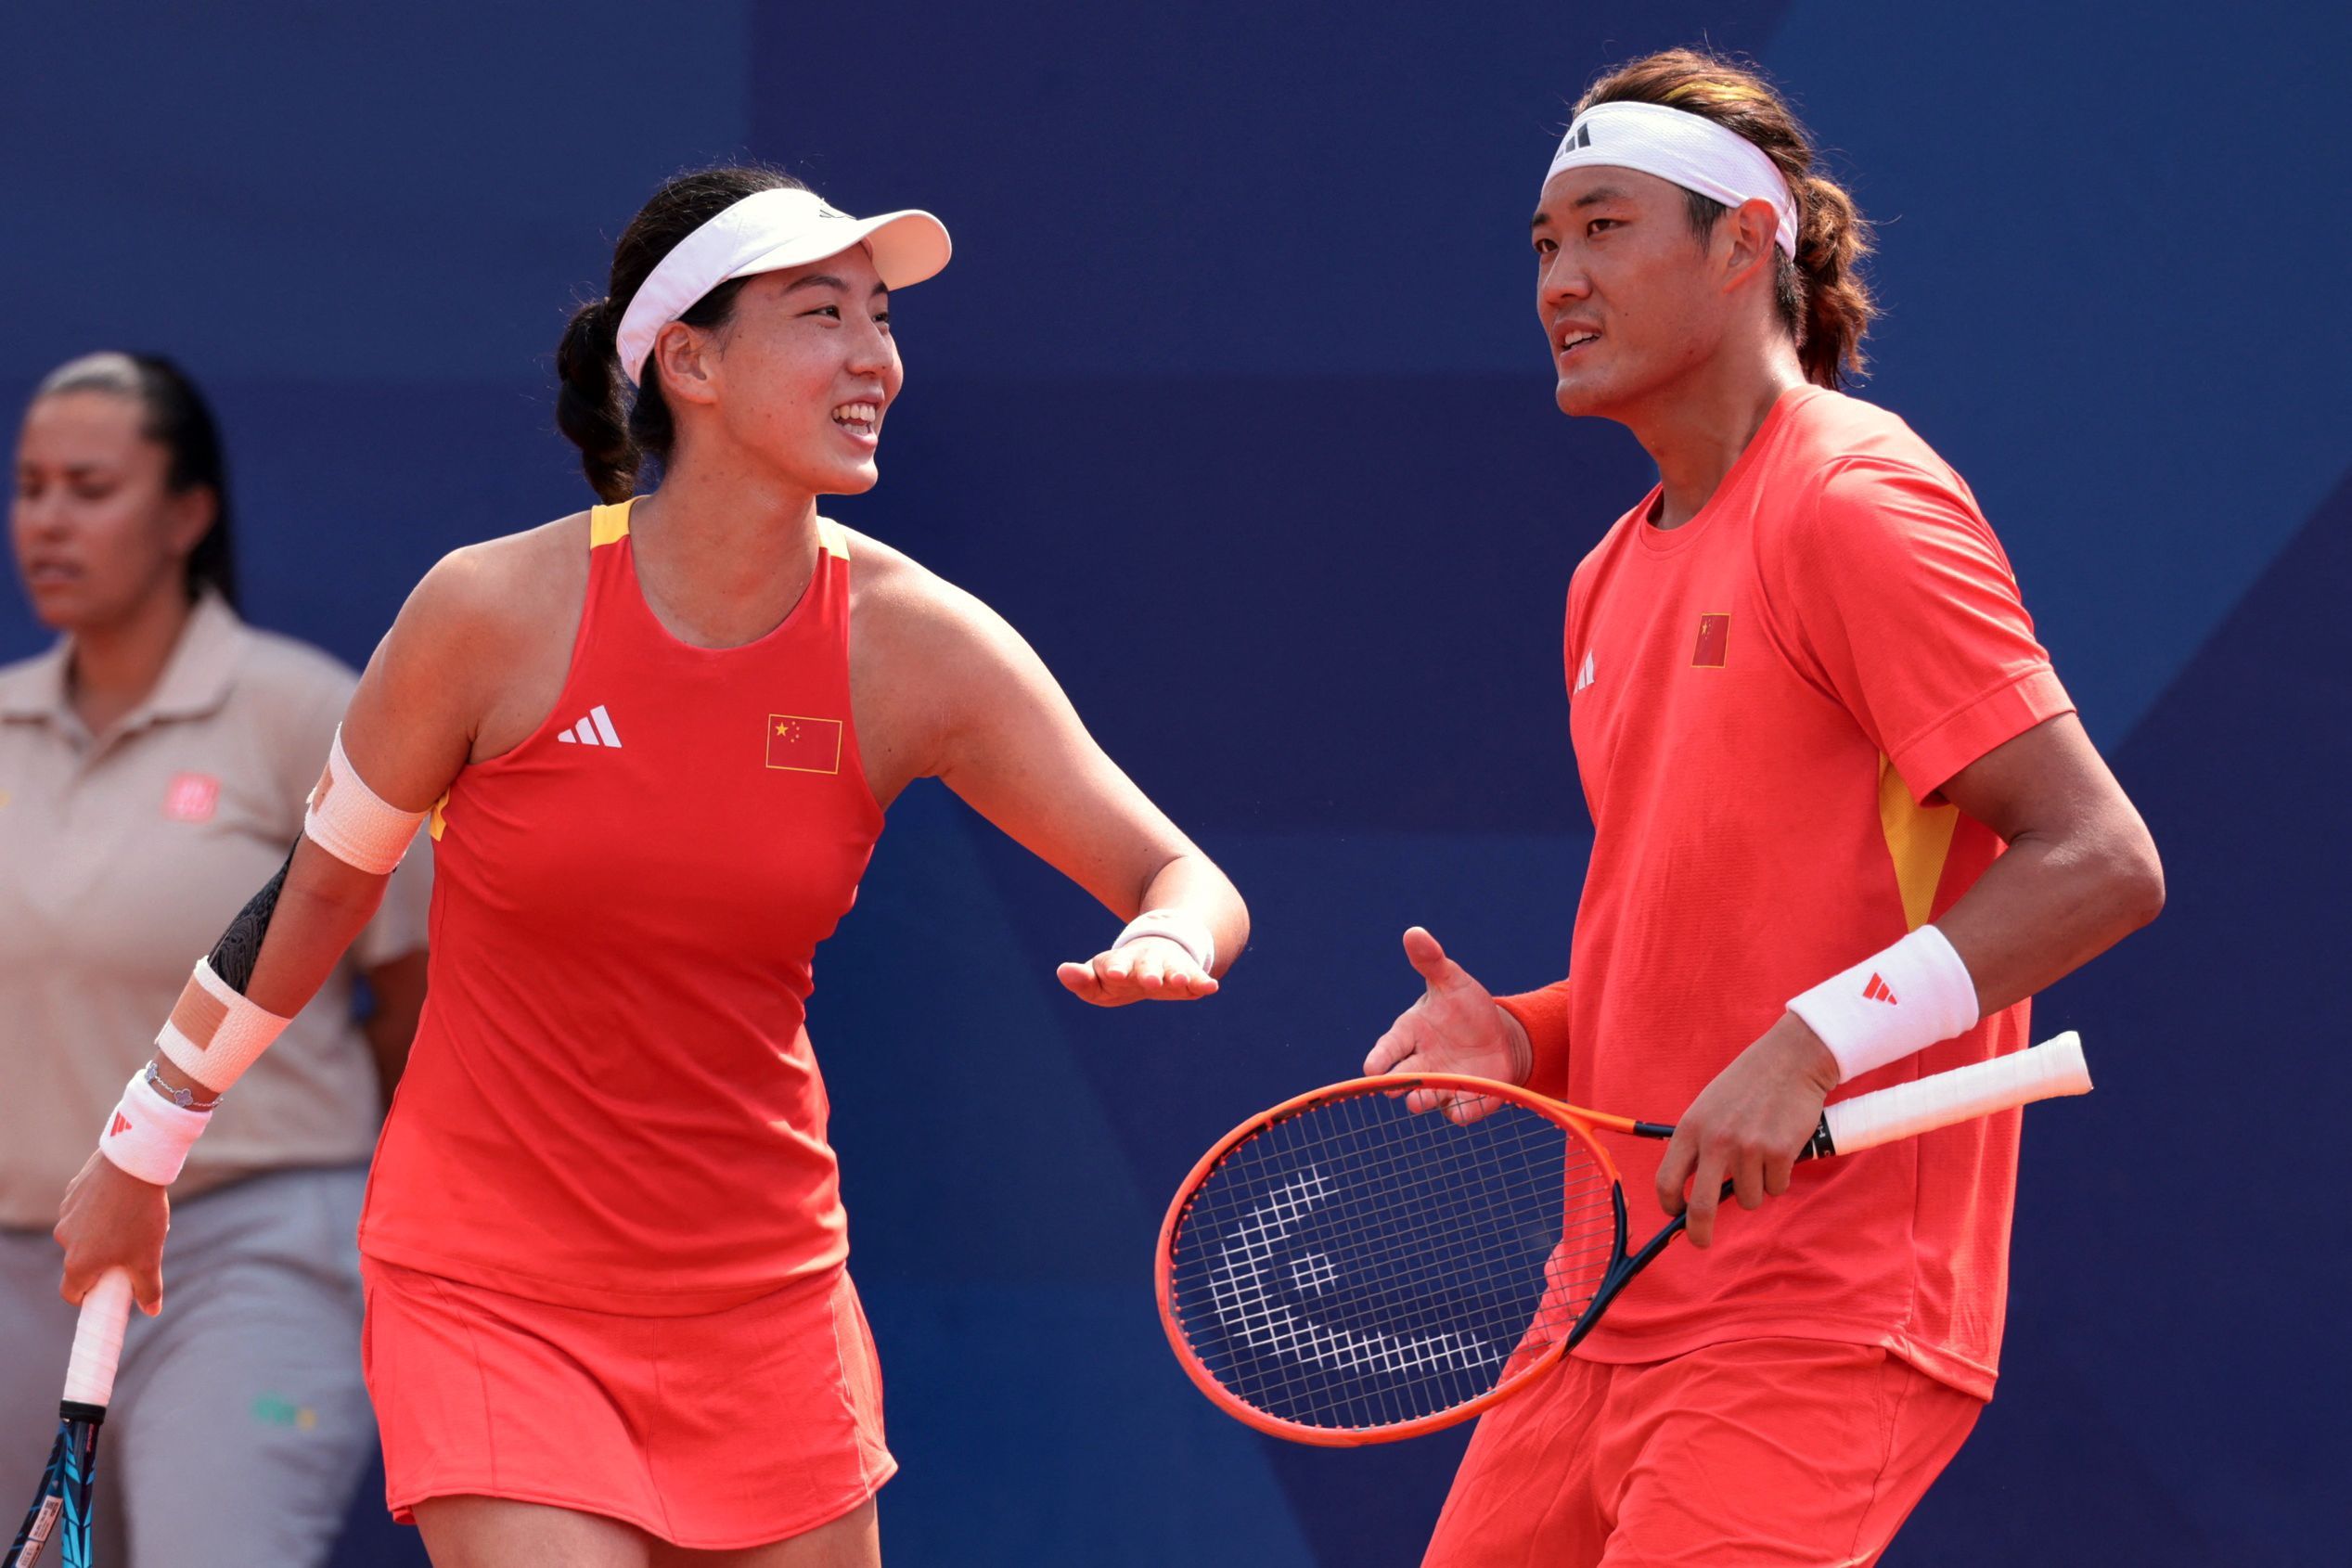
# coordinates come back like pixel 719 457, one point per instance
pixel 611 1102
pixel 1764 702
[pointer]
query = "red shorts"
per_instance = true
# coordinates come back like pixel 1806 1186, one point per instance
pixel 1752 1452
pixel 727 1429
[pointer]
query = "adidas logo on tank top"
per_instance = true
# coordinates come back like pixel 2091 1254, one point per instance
pixel 595 730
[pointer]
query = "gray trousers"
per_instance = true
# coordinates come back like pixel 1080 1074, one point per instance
pixel 240 1425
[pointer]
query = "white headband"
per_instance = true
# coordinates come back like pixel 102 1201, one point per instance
pixel 768 231
pixel 1689 149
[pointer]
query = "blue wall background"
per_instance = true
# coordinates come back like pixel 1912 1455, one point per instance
pixel 1237 357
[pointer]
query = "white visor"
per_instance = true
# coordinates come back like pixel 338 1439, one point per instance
pixel 1689 149
pixel 768 231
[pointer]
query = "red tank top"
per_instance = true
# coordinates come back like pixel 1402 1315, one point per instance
pixel 611 1102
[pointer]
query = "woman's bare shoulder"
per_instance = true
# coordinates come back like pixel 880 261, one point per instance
pixel 890 591
pixel 507 585
pixel 488 615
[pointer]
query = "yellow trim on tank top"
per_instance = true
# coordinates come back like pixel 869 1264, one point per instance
pixel 437 820
pixel 609 523
pixel 1919 840
pixel 606 524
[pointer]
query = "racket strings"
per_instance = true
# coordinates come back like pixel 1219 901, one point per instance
pixel 1357 1265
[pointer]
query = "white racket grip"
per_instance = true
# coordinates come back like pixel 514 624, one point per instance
pixel 2055 1067
pixel 98 1340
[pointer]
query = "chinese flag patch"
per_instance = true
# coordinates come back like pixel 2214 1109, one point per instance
pixel 799 744
pixel 192 797
pixel 1715 638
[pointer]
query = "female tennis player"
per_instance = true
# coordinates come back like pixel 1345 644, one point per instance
pixel 609 1322
pixel 1810 715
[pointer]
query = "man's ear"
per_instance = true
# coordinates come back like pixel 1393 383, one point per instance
pixel 1750 228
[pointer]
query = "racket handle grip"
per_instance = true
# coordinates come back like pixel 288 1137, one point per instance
pixel 2054 1067
pixel 98 1340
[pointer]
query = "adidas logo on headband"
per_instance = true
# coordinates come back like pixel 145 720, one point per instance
pixel 1579 136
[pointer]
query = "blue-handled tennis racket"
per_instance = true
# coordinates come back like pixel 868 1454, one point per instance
pixel 56 1529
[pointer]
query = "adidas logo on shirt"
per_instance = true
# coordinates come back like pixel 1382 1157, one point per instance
pixel 595 730
pixel 1584 674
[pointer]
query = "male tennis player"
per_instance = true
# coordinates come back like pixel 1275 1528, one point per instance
pixel 1847 822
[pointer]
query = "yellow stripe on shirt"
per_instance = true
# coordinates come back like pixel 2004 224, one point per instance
pixel 1919 840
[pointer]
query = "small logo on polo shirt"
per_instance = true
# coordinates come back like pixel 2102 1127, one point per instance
pixel 1584 674
pixel 193 797
pixel 595 730
pixel 1879 991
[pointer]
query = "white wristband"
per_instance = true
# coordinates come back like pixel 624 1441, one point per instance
pixel 1186 931
pixel 214 1032
pixel 1901 1000
pixel 149 1136
pixel 351 822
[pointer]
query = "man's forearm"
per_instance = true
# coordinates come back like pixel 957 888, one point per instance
pixel 2051 905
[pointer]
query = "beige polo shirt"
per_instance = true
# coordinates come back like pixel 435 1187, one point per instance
pixel 122 857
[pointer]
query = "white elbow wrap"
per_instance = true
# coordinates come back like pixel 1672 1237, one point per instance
pixel 149 1136
pixel 351 822
pixel 1188 932
pixel 214 1032
pixel 1902 999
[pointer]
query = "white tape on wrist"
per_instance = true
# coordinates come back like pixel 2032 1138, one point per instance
pixel 351 822
pixel 1901 1000
pixel 149 1136
pixel 1188 932
pixel 214 1032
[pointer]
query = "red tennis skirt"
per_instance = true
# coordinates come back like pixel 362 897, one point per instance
pixel 718 1431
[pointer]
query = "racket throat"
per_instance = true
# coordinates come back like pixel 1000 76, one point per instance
pixel 1621 1272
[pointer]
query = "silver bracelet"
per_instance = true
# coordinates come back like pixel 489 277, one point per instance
pixel 184 1099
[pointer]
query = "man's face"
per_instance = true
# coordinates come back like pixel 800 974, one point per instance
pixel 1631 298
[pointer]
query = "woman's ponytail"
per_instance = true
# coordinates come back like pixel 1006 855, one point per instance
pixel 589 409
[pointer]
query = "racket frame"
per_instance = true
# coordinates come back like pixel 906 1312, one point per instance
pixel 1577 1122
pixel 2009 1081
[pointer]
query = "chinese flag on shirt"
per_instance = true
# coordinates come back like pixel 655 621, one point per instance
pixel 804 745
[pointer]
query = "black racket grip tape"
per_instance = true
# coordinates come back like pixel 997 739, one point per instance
pixel 1820 1146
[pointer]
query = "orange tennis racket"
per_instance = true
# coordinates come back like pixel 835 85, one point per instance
pixel 1342 1270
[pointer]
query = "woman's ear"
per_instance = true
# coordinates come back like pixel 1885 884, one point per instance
pixel 189 515
pixel 686 358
